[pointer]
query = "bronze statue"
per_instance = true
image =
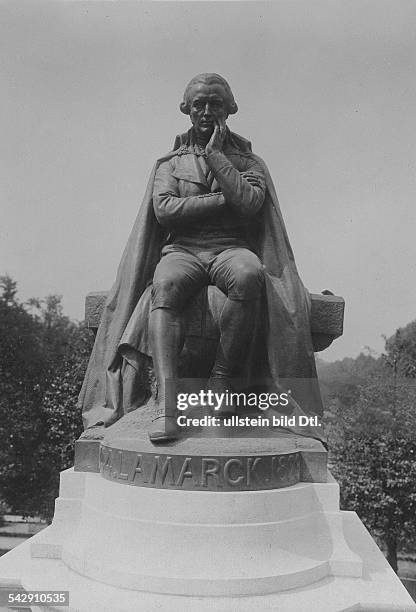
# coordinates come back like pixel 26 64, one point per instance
pixel 210 216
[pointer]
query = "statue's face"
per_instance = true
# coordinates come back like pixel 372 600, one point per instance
pixel 208 104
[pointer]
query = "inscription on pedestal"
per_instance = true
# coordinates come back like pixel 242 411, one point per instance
pixel 200 473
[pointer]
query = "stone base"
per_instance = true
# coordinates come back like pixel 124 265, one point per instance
pixel 119 548
pixel 218 459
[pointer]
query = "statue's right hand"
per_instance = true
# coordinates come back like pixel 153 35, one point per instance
pixel 217 139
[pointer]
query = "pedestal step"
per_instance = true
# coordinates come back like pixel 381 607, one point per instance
pixel 119 548
pixel 379 590
pixel 199 543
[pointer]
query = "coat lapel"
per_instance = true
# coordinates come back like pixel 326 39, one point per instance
pixel 191 168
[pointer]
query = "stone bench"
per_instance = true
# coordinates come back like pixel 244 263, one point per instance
pixel 327 316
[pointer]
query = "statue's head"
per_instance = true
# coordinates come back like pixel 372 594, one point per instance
pixel 208 96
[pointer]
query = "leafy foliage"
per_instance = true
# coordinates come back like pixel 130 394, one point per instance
pixel 340 381
pixel 64 424
pixel 42 359
pixel 401 348
pixel 373 446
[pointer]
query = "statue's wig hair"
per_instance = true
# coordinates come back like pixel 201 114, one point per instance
pixel 208 78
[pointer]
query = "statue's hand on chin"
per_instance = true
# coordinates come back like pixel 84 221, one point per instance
pixel 217 139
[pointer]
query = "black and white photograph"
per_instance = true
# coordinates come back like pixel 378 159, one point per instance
pixel 207 306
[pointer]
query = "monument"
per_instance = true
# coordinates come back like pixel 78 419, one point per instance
pixel 179 499
pixel 210 217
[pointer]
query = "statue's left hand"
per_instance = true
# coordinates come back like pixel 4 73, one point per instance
pixel 254 178
pixel 217 139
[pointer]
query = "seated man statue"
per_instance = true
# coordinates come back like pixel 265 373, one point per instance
pixel 210 217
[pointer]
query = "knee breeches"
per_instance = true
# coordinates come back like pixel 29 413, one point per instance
pixel 180 274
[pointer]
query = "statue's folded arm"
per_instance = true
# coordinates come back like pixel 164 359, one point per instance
pixel 244 198
pixel 172 209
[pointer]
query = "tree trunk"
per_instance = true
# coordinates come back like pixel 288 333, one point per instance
pixel 392 553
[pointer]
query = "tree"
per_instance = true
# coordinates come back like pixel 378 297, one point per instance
pixel 340 381
pixel 374 449
pixel 401 348
pixel 9 289
pixel 21 389
pixel 42 359
pixel 63 420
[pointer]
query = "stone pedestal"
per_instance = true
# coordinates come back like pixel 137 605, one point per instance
pixel 214 459
pixel 117 547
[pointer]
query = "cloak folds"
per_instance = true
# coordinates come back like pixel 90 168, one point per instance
pixel 112 385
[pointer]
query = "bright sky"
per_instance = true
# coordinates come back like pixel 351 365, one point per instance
pixel 326 92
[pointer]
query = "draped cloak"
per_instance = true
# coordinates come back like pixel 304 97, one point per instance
pixel 111 386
